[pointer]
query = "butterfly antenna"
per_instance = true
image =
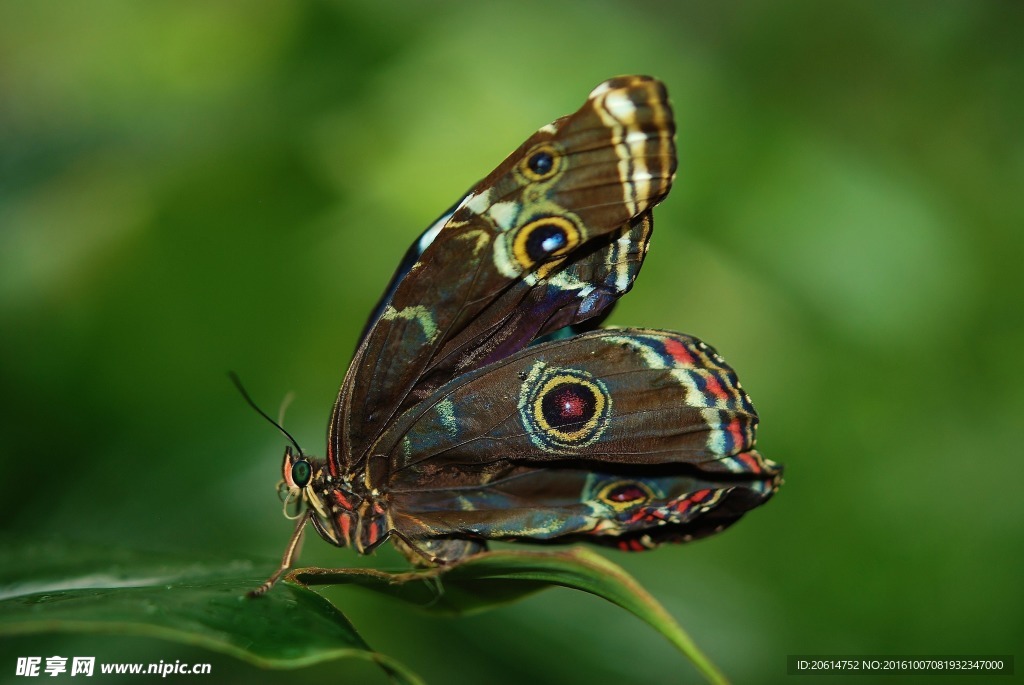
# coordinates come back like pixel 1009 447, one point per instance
pixel 285 403
pixel 238 384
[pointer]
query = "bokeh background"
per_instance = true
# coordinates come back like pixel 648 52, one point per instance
pixel 192 187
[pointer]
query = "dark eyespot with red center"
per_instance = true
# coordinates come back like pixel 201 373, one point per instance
pixel 629 492
pixel 562 409
pixel 568 404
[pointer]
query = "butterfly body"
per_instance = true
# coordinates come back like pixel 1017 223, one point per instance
pixel 484 403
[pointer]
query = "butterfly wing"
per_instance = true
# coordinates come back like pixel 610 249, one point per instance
pixel 631 437
pixel 409 260
pixel 571 299
pixel 512 244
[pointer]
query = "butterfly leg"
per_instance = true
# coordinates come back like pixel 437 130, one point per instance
pixel 436 552
pixel 290 553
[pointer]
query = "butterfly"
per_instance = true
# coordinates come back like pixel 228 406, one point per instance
pixel 485 401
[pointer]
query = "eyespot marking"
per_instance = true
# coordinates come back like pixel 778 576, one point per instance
pixel 625 494
pixel 544 238
pixel 542 163
pixel 563 409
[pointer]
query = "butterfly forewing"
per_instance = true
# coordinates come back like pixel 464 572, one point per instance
pixel 585 176
pixel 411 257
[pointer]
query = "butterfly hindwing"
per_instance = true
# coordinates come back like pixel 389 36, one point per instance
pixel 628 436
pixel 629 510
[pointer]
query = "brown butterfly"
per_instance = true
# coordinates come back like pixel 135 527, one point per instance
pixel 485 403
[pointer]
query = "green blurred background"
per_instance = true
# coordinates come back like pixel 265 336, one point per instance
pixel 192 187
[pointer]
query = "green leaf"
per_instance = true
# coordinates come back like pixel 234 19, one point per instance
pixel 493 578
pixel 74 589
pixel 66 588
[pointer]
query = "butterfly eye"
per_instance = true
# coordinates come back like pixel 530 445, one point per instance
pixel 301 473
pixel 544 238
pixel 541 165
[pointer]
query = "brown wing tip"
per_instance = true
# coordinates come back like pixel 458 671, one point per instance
pixel 637 112
pixel 630 81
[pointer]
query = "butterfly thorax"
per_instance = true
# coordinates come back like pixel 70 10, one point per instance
pixel 346 511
